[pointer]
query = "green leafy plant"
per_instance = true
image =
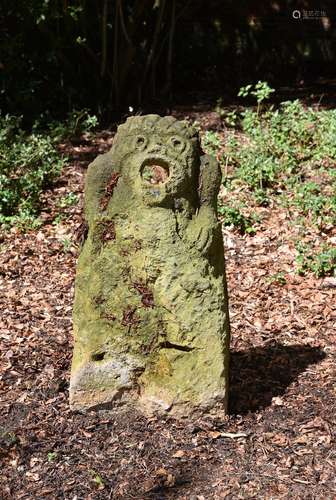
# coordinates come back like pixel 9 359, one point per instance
pixel 233 216
pixel 261 91
pixel 28 164
pixel 316 204
pixel 211 142
pixel 282 155
pixel 8 437
pixel 77 123
pixel 67 244
pixel 25 222
pixel 230 117
pixel 98 480
pixel 58 219
pixel 68 200
pixel 320 261
pixel 52 455
pixel 279 143
pixel 278 278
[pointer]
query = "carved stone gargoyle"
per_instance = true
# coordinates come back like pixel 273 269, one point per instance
pixel 151 322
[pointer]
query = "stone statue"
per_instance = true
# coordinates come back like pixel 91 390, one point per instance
pixel 150 315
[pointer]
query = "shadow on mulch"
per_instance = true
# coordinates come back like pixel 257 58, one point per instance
pixel 261 373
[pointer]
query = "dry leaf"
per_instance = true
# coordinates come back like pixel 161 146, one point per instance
pixel 179 454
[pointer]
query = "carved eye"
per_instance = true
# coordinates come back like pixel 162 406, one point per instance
pixel 177 143
pixel 140 142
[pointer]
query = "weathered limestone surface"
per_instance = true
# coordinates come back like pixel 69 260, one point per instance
pixel 150 314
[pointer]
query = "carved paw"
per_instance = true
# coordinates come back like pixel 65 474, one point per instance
pixel 199 238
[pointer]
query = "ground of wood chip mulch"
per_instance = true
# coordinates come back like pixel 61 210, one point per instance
pixel 278 440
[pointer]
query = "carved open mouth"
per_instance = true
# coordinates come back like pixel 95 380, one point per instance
pixel 155 172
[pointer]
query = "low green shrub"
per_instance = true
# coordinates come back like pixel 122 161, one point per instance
pixel 233 216
pixel 28 164
pixel 283 155
pixel 315 203
pixel 321 261
pixel 68 200
pixel 278 278
pixel 77 123
pixel 279 143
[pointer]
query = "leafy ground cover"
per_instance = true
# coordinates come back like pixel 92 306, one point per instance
pixel 281 157
pixel 278 440
pixel 30 161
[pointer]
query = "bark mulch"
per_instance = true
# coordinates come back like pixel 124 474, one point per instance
pixel 278 440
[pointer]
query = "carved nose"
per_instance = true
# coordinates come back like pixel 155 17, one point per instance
pixel 156 148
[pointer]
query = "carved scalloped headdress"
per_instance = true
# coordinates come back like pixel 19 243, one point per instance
pixel 155 123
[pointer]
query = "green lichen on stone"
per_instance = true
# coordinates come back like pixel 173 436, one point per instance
pixel 150 314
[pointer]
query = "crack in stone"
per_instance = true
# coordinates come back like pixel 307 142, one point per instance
pixel 169 345
pixel 177 228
